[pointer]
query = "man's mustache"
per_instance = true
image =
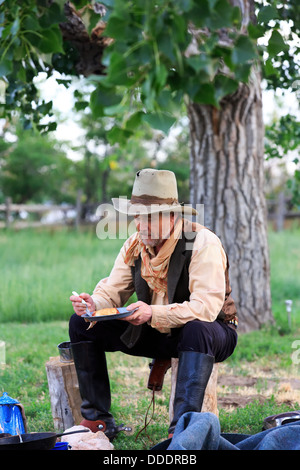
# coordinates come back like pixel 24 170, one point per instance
pixel 147 234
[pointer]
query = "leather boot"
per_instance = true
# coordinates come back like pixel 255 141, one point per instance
pixel 194 370
pixel 93 380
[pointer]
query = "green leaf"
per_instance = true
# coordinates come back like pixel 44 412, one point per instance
pixel 236 17
pixel 166 101
pixel 243 51
pixel 206 95
pixel 148 95
pixel 270 69
pixel 51 41
pixel 134 121
pixel 19 52
pixel 115 110
pixel 222 15
pixel 101 98
pixel 224 86
pixel 45 108
pixel 199 62
pixel 21 74
pixel 161 75
pixel 200 13
pixel 204 66
pixel 92 19
pixel 15 27
pixel 255 31
pixel 118 73
pixel 143 55
pixel 116 28
pixel 184 5
pixel 160 121
pixel 118 135
pixel 79 105
pixel 165 45
pixel 6 67
pixel 53 15
pixel 242 72
pixel 276 44
pixel 266 14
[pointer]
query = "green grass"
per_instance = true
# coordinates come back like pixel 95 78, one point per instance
pixel 39 272
pixel 41 269
pixel 28 348
pixel 285 279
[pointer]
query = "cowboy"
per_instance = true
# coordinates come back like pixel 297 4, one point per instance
pixel 179 272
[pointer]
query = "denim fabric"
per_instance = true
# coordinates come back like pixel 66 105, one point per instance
pixel 201 431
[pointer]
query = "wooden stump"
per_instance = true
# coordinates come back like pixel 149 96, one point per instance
pixel 64 393
pixel 210 403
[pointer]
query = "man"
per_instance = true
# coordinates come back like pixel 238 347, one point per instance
pixel 179 271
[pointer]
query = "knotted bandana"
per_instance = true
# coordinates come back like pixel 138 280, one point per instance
pixel 154 269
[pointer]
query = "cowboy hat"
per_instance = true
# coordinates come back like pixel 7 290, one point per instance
pixel 153 191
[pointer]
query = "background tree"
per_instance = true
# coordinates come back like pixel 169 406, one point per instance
pixel 34 169
pixel 143 60
pixel 282 139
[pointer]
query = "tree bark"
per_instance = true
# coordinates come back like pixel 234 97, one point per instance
pixel 227 176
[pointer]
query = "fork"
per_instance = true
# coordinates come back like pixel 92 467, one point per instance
pixel 83 302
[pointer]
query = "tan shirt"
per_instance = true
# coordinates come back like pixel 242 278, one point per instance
pixel 206 285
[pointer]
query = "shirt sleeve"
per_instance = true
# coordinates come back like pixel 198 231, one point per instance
pixel 206 285
pixel 116 289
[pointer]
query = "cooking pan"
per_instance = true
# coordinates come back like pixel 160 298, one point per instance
pixel 33 441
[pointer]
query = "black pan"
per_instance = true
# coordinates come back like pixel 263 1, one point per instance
pixel 33 441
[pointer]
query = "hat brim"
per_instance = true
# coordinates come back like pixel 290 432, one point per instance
pixel 126 207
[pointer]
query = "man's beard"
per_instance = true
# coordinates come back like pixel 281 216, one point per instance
pixel 155 239
pixel 151 241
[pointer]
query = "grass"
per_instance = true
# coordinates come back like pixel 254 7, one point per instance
pixel 28 348
pixel 285 268
pixel 40 271
pixel 43 268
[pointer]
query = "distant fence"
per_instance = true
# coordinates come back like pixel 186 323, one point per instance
pixel 279 211
pixel 13 214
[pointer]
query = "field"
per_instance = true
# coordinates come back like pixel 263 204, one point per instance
pixel 39 271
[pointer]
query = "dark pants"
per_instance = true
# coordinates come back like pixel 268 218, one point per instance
pixel 213 338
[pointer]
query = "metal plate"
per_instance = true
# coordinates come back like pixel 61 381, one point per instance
pixel 123 312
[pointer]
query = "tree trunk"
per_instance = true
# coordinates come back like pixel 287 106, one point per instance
pixel 227 176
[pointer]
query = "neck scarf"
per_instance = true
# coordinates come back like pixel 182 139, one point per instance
pixel 154 269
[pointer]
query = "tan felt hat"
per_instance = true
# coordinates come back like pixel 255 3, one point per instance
pixel 153 191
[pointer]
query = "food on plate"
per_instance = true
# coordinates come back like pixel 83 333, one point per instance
pixel 105 311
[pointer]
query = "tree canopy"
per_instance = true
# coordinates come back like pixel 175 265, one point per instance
pixel 33 168
pixel 142 61
pixel 142 58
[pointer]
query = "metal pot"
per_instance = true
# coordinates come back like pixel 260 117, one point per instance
pixel 33 441
pixel 65 351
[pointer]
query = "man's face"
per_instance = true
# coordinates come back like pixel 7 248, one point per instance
pixel 154 228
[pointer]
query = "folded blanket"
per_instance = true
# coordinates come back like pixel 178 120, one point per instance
pixel 201 431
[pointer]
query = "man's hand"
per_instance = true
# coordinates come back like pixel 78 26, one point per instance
pixel 79 307
pixel 140 316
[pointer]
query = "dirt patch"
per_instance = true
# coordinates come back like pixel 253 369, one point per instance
pixel 236 381
pixel 236 400
pixel 256 384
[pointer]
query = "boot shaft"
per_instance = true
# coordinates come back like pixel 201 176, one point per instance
pixel 194 370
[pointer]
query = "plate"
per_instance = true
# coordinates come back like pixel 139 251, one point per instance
pixel 123 312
